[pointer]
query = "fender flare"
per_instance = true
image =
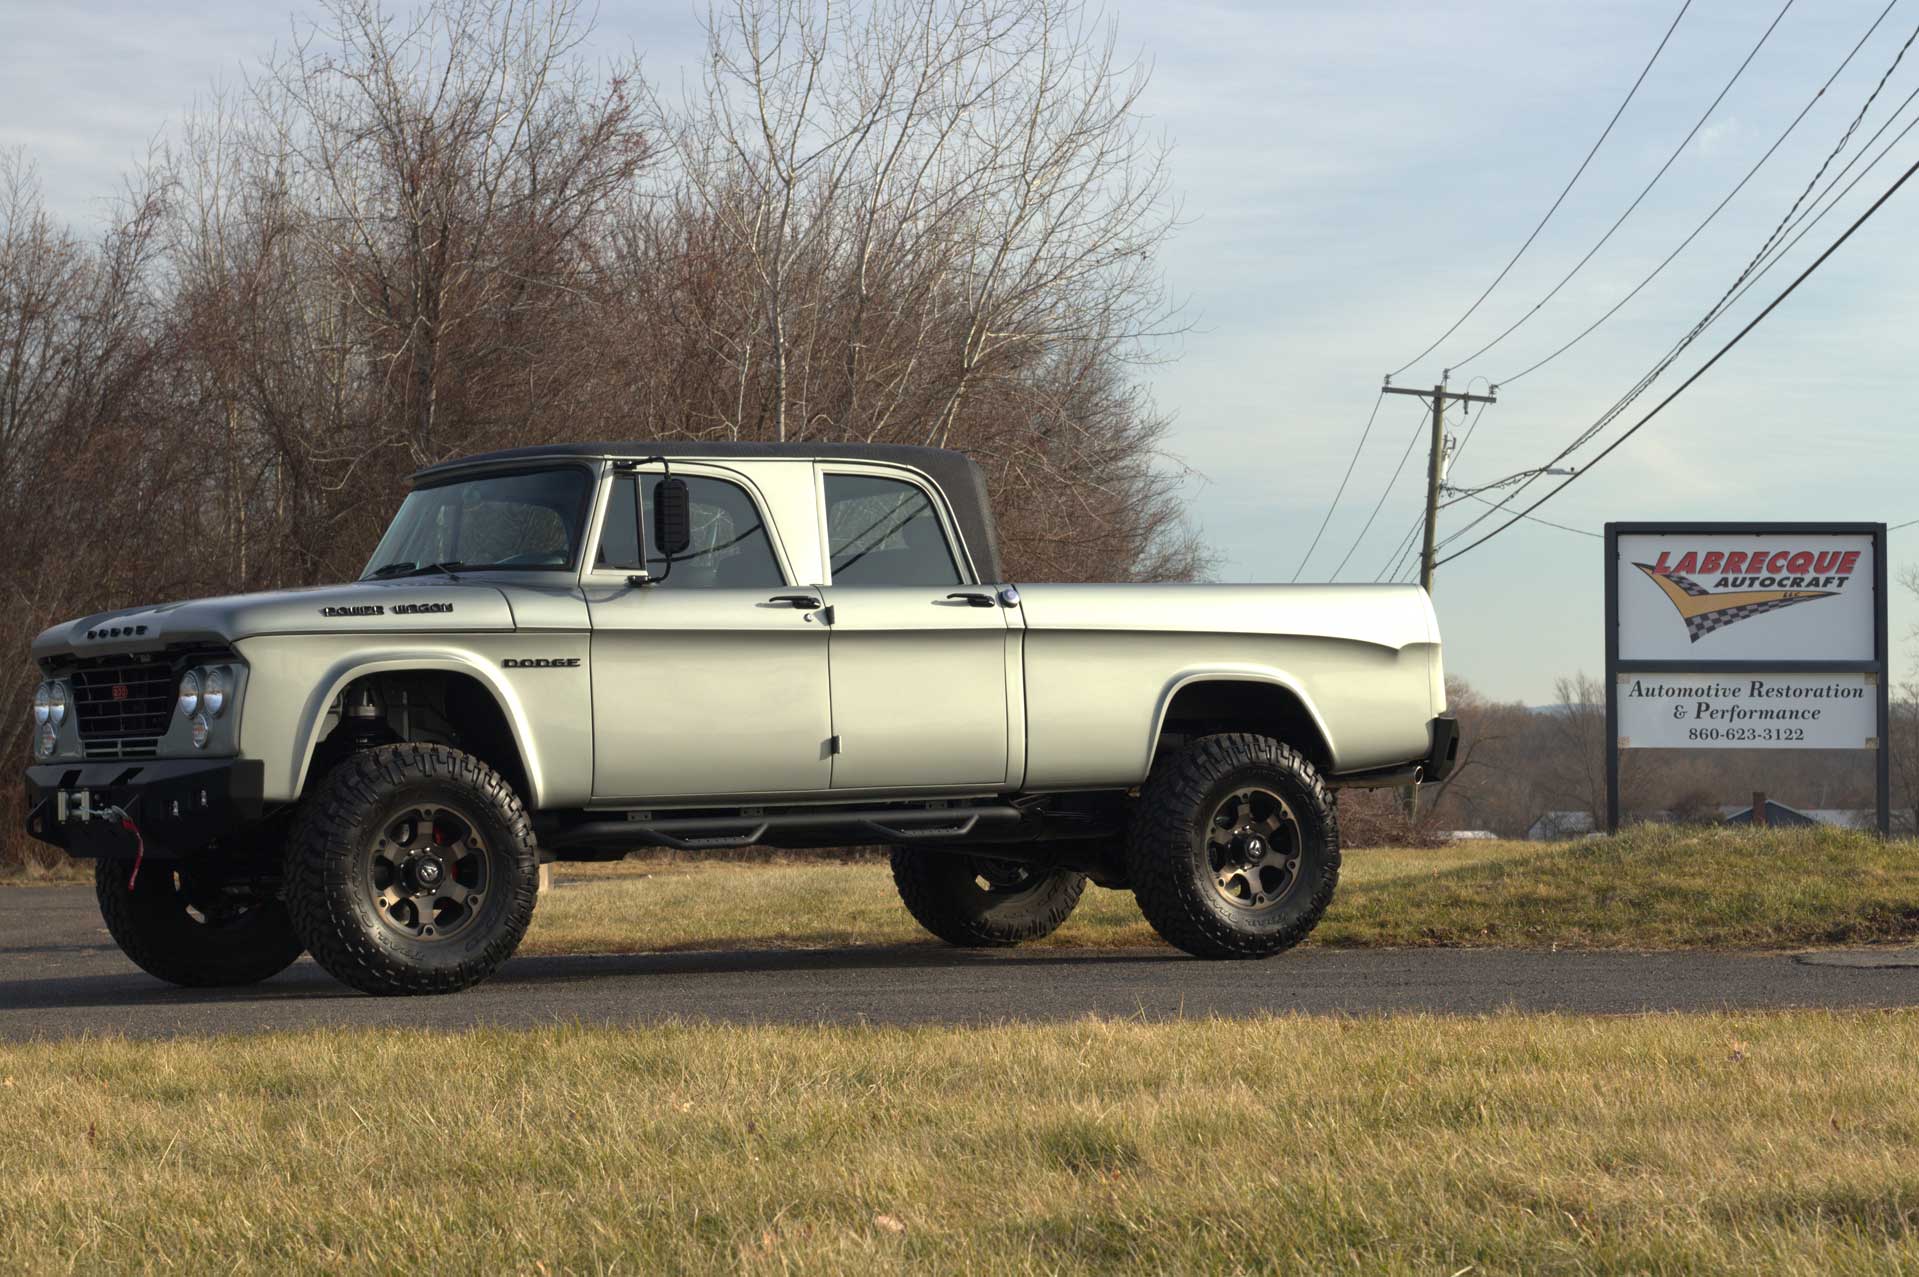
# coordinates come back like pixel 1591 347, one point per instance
pixel 1235 674
pixel 440 660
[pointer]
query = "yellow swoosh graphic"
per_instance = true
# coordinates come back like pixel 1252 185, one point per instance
pixel 1691 605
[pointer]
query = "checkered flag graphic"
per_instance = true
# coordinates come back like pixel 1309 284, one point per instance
pixel 1697 627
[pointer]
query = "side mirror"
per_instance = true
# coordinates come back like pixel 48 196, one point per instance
pixel 672 519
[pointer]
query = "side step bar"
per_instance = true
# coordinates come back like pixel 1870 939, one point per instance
pixel 831 826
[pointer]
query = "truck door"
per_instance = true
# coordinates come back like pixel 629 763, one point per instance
pixel 711 681
pixel 918 653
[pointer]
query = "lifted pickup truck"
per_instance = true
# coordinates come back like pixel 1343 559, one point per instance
pixel 570 652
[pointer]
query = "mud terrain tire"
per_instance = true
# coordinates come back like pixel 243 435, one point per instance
pixel 1234 848
pixel 157 924
pixel 977 902
pixel 411 869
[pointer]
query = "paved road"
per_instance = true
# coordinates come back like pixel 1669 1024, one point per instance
pixel 61 975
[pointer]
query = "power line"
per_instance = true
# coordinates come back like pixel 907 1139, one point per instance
pixel 1738 337
pixel 1670 160
pixel 1712 315
pixel 1474 496
pixel 1472 424
pixel 1371 417
pixel 1780 253
pixel 1709 218
pixel 1396 561
pixel 1382 496
pixel 1562 194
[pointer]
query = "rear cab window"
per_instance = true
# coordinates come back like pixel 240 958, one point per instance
pixel 885 531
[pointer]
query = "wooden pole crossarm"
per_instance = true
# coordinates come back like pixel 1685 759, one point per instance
pixel 1457 396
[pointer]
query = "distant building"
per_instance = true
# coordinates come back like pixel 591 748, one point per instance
pixel 1784 817
pixel 1467 835
pixel 1555 826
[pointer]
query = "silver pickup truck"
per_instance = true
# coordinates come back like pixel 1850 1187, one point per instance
pixel 574 651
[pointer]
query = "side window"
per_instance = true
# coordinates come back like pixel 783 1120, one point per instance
pixel 885 532
pixel 730 548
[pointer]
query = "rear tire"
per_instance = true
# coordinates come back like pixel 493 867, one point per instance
pixel 1234 850
pixel 187 932
pixel 981 902
pixel 412 869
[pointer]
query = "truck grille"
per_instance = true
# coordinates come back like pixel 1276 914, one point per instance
pixel 128 747
pixel 123 707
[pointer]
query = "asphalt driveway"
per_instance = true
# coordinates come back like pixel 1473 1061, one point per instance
pixel 61 975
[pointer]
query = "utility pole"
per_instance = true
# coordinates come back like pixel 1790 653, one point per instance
pixel 1435 462
pixel 1440 396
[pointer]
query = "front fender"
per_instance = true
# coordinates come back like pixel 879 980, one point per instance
pixel 295 682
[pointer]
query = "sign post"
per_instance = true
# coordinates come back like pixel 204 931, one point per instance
pixel 1747 636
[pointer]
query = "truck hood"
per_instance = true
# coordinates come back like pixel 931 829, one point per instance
pixel 411 605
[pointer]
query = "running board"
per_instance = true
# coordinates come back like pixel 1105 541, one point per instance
pixel 829 827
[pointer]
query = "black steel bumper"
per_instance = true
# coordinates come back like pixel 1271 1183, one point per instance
pixel 179 804
pixel 1445 751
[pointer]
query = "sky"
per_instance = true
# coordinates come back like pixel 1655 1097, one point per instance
pixel 1351 176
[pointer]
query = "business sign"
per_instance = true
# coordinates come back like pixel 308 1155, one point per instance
pixel 1777 596
pixel 1748 711
pixel 1746 636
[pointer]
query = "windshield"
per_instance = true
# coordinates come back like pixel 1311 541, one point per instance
pixel 528 521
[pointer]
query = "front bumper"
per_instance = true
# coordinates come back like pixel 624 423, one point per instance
pixel 179 805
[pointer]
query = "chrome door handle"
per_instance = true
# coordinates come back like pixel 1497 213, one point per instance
pixel 974 598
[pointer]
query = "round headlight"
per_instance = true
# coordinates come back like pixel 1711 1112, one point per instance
pixel 58 710
pixel 202 731
pixel 43 702
pixel 214 686
pixel 48 741
pixel 190 693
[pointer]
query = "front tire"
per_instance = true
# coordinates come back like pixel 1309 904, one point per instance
pixel 1234 850
pixel 181 925
pixel 982 902
pixel 412 869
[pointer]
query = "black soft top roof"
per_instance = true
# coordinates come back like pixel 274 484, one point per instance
pixel 956 474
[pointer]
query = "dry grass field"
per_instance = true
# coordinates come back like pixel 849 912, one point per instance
pixel 1651 888
pixel 1784 1144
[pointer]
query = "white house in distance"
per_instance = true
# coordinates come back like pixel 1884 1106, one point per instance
pixel 1557 826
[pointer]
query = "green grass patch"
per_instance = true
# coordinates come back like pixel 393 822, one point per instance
pixel 1668 1144
pixel 1650 888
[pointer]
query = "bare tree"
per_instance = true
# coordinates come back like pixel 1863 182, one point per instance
pixel 1575 771
pixel 414 233
pixel 950 217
